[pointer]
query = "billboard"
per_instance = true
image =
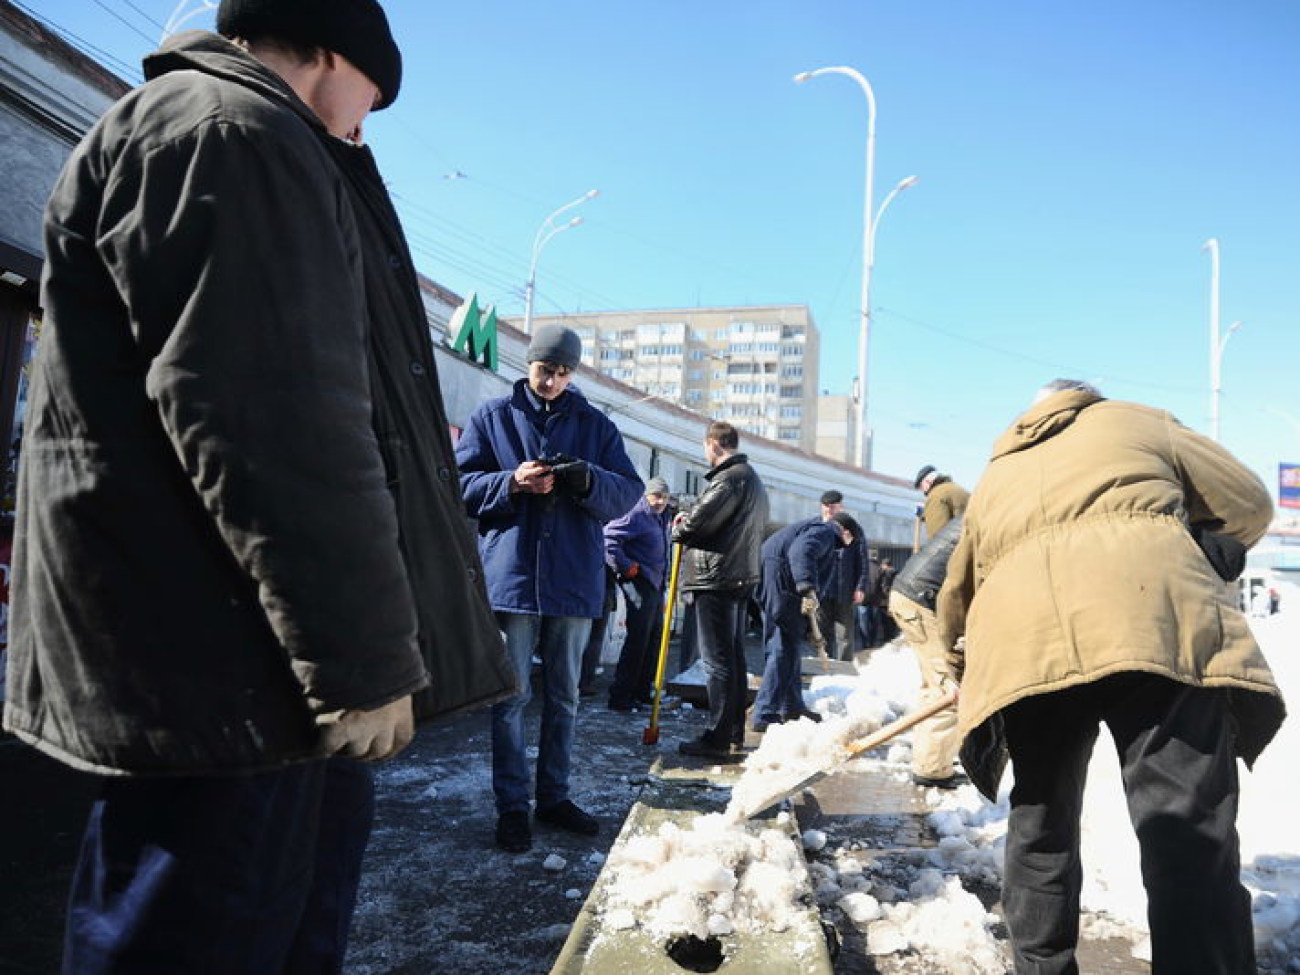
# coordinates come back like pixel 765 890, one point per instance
pixel 1288 485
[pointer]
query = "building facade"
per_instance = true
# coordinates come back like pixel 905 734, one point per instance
pixel 837 425
pixel 50 96
pixel 755 366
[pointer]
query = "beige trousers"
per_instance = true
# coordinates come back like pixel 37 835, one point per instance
pixel 935 741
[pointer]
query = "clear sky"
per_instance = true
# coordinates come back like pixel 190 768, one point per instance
pixel 1073 159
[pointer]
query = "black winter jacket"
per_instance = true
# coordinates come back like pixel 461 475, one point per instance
pixel 724 530
pixel 237 507
pixel 921 578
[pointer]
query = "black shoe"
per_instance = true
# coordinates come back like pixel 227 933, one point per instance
pixel 701 748
pixel 568 816
pixel 586 692
pixel 813 716
pixel 623 707
pixel 948 782
pixel 513 834
pixel 760 724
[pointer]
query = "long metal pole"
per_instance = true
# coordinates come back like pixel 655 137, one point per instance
pixel 1216 350
pixel 862 454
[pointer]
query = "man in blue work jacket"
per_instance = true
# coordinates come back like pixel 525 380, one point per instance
pixel 542 470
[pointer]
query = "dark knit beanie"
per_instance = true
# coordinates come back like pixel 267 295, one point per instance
pixel 832 497
pixel 922 474
pixel 845 520
pixel 555 343
pixel 356 29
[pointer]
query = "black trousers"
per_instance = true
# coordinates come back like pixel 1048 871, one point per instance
pixel 634 677
pixel 255 874
pixel 720 628
pixel 1177 761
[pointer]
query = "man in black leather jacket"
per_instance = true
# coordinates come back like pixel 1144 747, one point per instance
pixel 722 535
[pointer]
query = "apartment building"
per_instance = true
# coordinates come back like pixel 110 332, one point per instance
pixel 755 366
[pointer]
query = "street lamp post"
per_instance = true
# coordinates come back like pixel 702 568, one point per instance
pixel 870 219
pixel 545 232
pixel 1217 341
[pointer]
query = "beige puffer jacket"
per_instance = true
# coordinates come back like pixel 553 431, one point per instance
pixel 1077 562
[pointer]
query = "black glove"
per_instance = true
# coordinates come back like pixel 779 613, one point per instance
pixel 573 478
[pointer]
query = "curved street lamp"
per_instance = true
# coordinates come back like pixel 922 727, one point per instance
pixel 1217 341
pixel 545 232
pixel 870 220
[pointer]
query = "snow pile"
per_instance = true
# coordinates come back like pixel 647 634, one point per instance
pixel 943 923
pixel 711 878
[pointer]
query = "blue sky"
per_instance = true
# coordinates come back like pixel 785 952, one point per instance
pixel 1073 158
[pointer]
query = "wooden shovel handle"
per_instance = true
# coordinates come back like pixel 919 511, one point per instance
pixel 886 732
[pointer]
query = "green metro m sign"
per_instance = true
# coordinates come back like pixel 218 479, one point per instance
pixel 475 331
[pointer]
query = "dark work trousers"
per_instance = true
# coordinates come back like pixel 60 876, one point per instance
pixel 688 649
pixel 1175 747
pixel 596 639
pixel 720 631
pixel 591 655
pixel 839 628
pixel 635 674
pixel 255 874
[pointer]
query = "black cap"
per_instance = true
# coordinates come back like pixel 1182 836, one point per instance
pixel 922 474
pixel 832 497
pixel 555 343
pixel 356 29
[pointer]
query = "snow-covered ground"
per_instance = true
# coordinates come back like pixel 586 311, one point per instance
pixel 940 918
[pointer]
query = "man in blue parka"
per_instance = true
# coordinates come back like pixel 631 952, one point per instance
pixel 543 470
pixel 796 562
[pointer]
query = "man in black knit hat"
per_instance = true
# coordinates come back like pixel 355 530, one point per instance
pixel 222 608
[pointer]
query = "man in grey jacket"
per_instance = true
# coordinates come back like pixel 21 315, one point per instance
pixel 216 589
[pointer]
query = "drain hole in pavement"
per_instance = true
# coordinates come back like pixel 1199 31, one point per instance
pixel 695 954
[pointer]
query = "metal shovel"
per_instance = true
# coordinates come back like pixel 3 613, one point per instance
pixel 785 790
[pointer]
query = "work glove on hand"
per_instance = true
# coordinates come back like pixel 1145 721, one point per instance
pixel 630 573
pixel 368 735
pixel 573 478
pixel 809 603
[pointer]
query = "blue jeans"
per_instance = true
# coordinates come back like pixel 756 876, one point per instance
pixel 239 873
pixel 559 641
pixel 780 695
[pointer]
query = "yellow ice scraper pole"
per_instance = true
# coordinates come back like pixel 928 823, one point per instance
pixel 651 734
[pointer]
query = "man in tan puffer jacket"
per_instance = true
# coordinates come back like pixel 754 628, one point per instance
pixel 1084 597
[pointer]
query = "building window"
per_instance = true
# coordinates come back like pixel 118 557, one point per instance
pixel 792 433
pixel 792 372
pixel 791 412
